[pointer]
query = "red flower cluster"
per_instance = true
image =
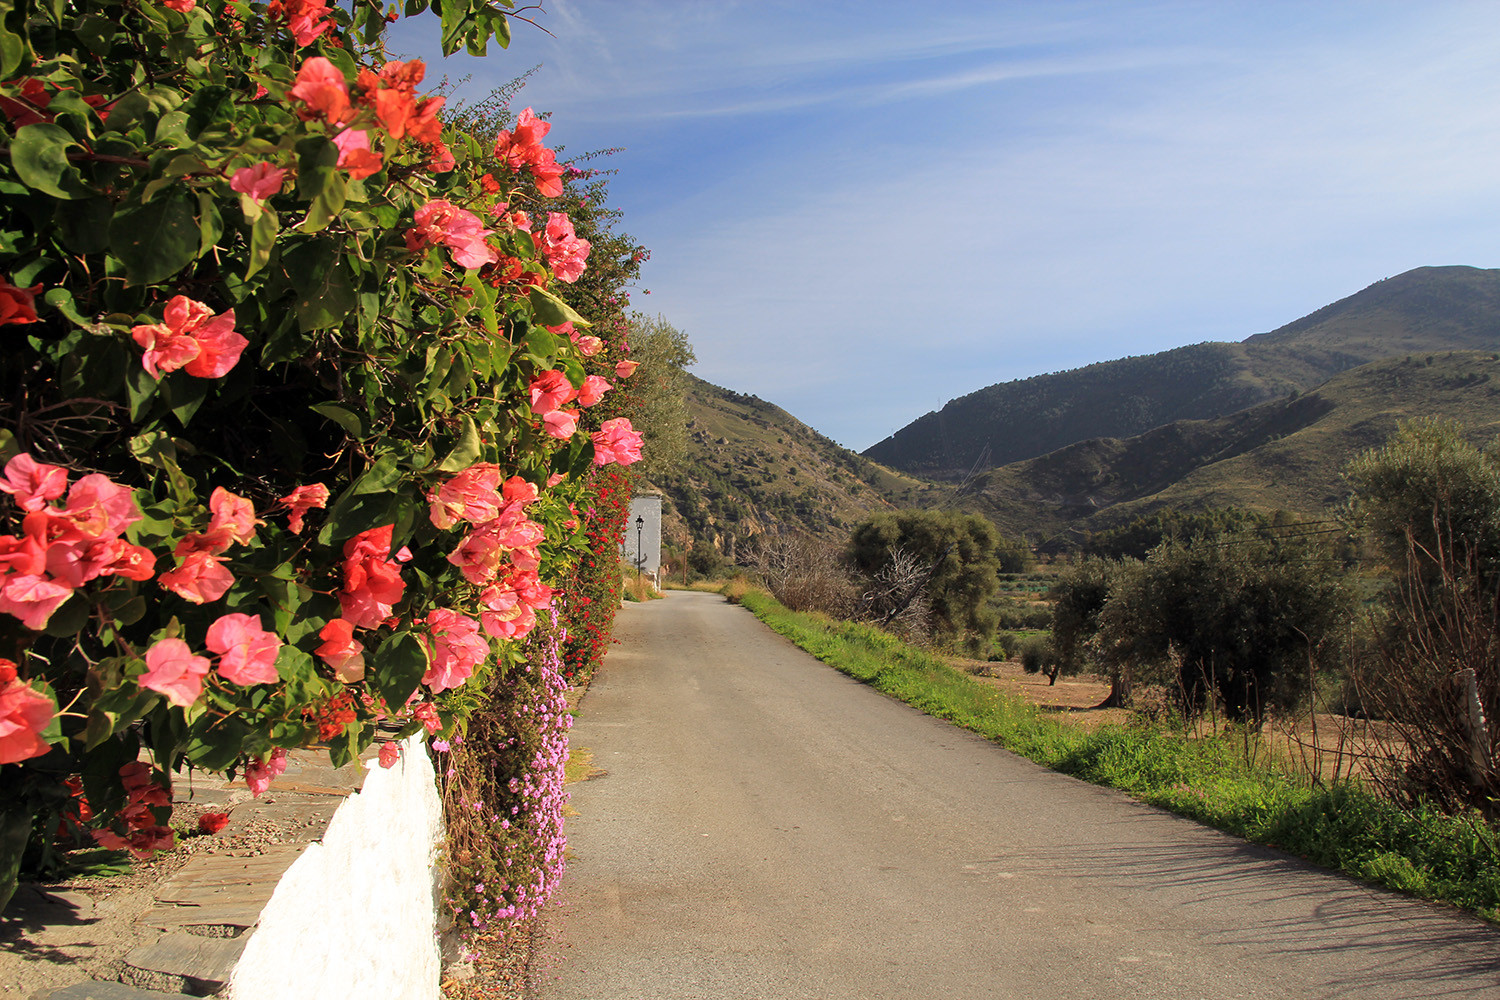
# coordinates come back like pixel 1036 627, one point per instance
pixel 522 148
pixel 145 835
pixel 62 548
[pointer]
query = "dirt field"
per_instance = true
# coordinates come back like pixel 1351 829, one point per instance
pixel 1345 746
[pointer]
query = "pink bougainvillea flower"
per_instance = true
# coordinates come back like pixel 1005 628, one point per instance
pixel 211 823
pixel 142 844
pixel 174 671
pixel 588 345
pixel 258 773
pixel 25 713
pixel 471 495
pixel 301 500
pixel 460 231
pixel 32 483
pixel 259 182
pixel 389 754
pixel 247 652
pixel 625 369
pixel 322 89
pixel 440 160
pixel 28 108
pixel 190 337
pixel 201 577
pixel 560 424
pixel 100 508
pixel 341 651
pixel 305 19
pixel 457 648
pixel 554 479
pixel 17 305
pixel 372 583
pixel 616 441
pixel 519 490
pixel 232 516
pixel 566 253
pixel 550 390
pixel 593 389
pixel 32 599
pixel 519 146
pixel 427 714
pixel 547 173
pixel 182 6
pixel 355 155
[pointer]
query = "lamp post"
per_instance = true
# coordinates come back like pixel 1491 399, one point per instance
pixel 640 523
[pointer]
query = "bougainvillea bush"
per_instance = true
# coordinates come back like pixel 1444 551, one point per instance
pixel 294 413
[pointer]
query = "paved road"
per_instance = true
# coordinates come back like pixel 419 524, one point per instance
pixel 769 828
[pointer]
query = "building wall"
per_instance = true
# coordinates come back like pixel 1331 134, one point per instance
pixel 648 509
pixel 356 915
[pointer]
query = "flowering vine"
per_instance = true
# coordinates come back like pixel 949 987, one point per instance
pixel 277 466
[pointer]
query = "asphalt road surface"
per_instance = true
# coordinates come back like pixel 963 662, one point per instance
pixel 769 828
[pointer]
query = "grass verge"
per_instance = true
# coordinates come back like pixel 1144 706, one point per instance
pixel 1341 826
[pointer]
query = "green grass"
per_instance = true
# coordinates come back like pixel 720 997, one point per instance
pixel 1340 826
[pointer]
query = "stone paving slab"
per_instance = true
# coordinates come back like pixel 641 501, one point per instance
pixel 206 912
pixel 109 991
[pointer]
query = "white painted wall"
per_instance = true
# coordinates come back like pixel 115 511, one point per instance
pixel 355 915
pixel 646 509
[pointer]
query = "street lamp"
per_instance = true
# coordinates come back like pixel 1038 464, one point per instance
pixel 640 523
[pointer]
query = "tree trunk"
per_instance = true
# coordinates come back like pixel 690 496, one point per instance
pixel 1119 691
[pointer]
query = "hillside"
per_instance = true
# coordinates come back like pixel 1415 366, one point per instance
pixel 1286 453
pixel 1423 311
pixel 753 468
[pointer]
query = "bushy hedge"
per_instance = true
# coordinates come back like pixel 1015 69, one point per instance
pixel 295 415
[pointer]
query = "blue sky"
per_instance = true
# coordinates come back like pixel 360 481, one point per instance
pixel 859 211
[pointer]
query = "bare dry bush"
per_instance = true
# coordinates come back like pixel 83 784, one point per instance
pixel 805 574
pixel 1433 679
pixel 895 598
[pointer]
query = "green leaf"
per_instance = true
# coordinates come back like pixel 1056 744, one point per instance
pixel 466 452
pixel 84 225
pixel 210 223
pixel 70 617
pixel 320 182
pixel 96 33
pixel 140 389
pixel 12 45
pixel 206 106
pixel 396 667
pixel 345 418
pixel 262 238
pixel 156 240
pixel 553 311
pixel 325 290
pixel 40 155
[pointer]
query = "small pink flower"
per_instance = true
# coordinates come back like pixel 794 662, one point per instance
pixel 593 389
pixel 200 578
pixel 190 337
pixel 174 671
pixel 247 652
pixel 625 369
pixel 301 500
pixel 341 651
pixel 32 483
pixel 560 424
pixel 258 773
pixel 322 88
pixel 549 391
pixel 259 182
pixel 355 155
pixel 457 648
pixel 233 517
pixel 24 714
pixel 616 441
pixel 566 253
pixel 389 754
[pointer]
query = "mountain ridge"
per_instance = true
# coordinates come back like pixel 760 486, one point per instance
pixel 1419 311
